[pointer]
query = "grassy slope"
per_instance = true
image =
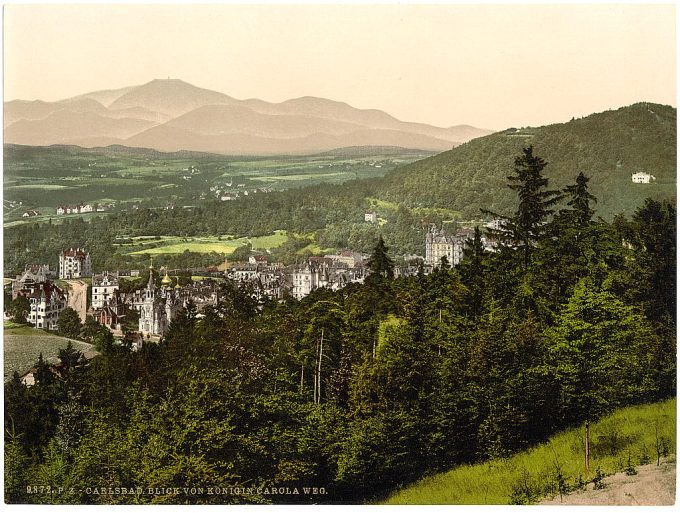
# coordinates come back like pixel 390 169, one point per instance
pixel 629 429
pixel 22 346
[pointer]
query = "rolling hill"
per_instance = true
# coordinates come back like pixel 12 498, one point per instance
pixel 172 115
pixel 73 127
pixel 608 147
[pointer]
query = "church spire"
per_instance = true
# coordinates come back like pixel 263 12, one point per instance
pixel 150 285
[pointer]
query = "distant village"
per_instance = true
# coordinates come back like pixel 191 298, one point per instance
pixel 157 303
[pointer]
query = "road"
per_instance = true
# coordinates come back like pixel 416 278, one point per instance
pixel 77 297
pixel 651 486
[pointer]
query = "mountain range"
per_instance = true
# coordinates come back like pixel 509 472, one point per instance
pixel 172 115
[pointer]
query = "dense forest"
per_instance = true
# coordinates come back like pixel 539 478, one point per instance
pixel 360 391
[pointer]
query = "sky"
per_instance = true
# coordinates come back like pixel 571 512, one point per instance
pixel 491 66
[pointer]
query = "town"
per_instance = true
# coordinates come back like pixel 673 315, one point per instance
pixel 146 311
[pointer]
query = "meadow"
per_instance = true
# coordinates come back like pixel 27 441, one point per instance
pixel 23 345
pixel 627 437
pixel 222 244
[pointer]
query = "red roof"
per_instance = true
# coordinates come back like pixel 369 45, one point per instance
pixel 75 252
pixel 37 289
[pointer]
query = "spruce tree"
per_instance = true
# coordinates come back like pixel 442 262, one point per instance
pixel 526 227
pixel 580 199
pixel 380 263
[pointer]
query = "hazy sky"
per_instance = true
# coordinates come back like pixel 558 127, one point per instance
pixel 491 66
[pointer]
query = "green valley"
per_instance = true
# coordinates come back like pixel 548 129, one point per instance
pixel 117 178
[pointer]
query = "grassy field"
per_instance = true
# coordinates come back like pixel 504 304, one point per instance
pixel 23 345
pixel 195 246
pixel 223 244
pixel 531 475
pixel 382 204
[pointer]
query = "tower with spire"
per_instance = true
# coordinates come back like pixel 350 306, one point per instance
pixel 159 306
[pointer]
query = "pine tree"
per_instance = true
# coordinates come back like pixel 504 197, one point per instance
pixel 473 270
pixel 580 199
pixel 380 263
pixel 526 227
pixel 572 247
pixel 16 463
pixel 69 357
pixel 599 353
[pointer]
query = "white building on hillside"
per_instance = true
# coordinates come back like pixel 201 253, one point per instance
pixel 642 177
pixel 371 216
pixel 74 263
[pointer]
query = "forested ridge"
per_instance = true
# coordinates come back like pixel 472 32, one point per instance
pixel 365 389
pixel 607 147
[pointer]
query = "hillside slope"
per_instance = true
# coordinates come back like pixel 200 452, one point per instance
pixel 528 476
pixel 608 147
pixel 653 485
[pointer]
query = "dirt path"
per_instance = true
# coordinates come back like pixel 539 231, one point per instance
pixel 651 486
pixel 77 297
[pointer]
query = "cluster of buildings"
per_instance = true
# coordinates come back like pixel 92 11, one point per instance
pixel 276 281
pixel 159 301
pixel 225 192
pixel 227 196
pixel 46 299
pixel 156 304
pixel 82 208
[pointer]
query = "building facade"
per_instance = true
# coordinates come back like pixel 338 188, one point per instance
pixel 318 272
pixel 111 314
pixel 158 307
pixel 46 301
pixel 33 273
pixel 642 177
pixel 74 263
pixel 104 287
pixel 439 244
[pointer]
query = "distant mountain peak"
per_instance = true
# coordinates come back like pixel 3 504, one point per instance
pixel 173 114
